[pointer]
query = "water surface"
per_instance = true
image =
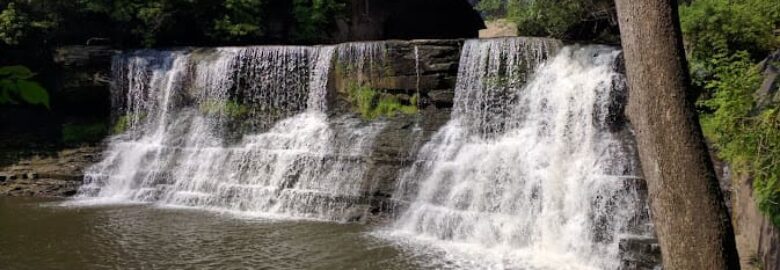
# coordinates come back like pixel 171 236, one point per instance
pixel 40 234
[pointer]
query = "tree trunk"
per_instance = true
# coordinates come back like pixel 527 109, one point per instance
pixel 691 221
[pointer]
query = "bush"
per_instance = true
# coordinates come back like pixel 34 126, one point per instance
pixel 312 16
pixel 748 140
pixel 718 29
pixel 244 19
pixel 545 18
pixel 725 40
pixel 13 24
pixel 567 19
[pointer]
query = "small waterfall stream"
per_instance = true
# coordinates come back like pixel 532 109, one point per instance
pixel 526 174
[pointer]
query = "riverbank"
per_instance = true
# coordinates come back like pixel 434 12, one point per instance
pixel 57 175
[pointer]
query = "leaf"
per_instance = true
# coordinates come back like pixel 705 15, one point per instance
pixel 16 72
pixel 8 86
pixel 33 93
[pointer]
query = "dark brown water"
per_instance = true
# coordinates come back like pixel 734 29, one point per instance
pixel 37 234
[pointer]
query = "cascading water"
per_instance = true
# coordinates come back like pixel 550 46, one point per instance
pixel 527 174
pixel 233 129
pixel 531 172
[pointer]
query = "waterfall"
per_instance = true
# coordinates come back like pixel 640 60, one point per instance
pixel 534 169
pixel 240 130
pixel 527 173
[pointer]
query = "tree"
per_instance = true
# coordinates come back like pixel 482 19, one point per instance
pixel 691 222
pixel 312 16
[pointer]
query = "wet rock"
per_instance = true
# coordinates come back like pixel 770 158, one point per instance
pixel 54 176
pixel 769 92
pixel 639 253
pixel 442 98
pixel 425 68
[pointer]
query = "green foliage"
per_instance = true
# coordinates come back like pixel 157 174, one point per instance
pixel 313 15
pixel 243 18
pixel 748 140
pixel 552 18
pixel 121 124
pixel 165 22
pixel 18 22
pixel 372 104
pixel 16 86
pixel 492 9
pixel 717 29
pixel 13 24
pixel 724 40
pixel 125 122
pixel 144 19
pixel 230 108
pixel 545 18
pixel 74 133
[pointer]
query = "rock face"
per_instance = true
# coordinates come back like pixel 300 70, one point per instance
pixel 85 75
pixel 640 253
pixel 59 175
pixel 425 69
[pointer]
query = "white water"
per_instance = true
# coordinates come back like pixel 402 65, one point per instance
pixel 239 130
pixel 525 175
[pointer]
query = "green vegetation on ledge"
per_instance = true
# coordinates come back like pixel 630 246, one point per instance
pixel 229 108
pixel 371 103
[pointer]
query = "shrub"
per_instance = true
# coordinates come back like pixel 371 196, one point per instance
pixel 724 41
pixel 718 29
pixel 371 103
pixel 568 19
pixel 749 140
pixel 312 16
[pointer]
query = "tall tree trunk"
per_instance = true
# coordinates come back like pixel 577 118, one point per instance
pixel 691 221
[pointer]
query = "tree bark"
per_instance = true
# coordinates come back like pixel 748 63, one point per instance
pixel 690 217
